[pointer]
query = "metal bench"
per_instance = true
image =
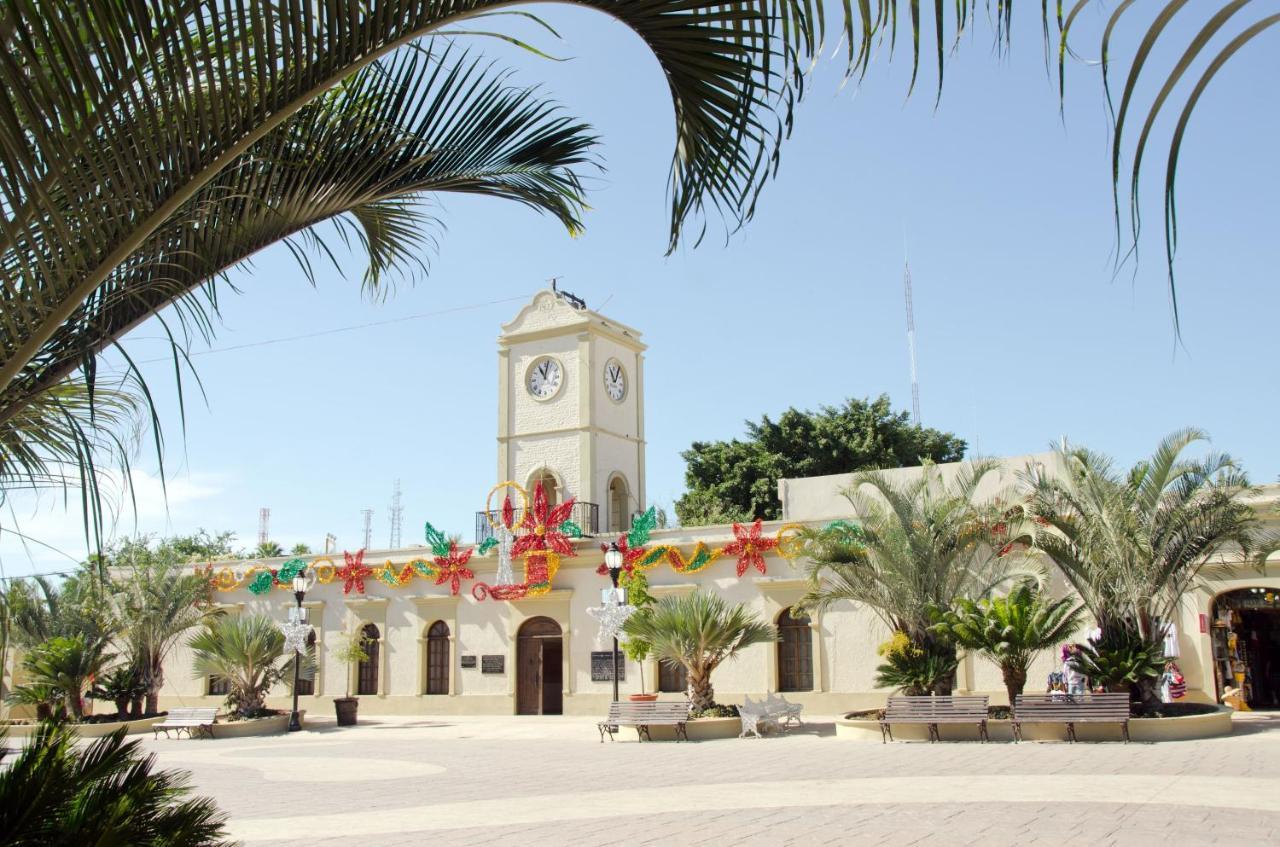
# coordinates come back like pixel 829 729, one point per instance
pixel 198 719
pixel 644 715
pixel 785 711
pixel 1071 709
pixel 933 711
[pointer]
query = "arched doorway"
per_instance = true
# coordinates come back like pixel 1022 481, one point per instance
pixel 550 487
pixel 795 652
pixel 539 679
pixel 438 658
pixel 618 504
pixel 1246 645
pixel 367 671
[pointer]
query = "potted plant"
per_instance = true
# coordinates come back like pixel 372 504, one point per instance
pixel 351 652
pixel 638 649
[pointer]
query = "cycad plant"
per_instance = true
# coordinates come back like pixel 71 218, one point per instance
pixel 700 631
pixel 914 670
pixel 920 544
pixel 1010 629
pixel 1132 543
pixel 121 685
pixel 66 665
pixel 55 793
pixel 246 651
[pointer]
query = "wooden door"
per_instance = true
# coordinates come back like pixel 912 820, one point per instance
pixel 552 676
pixel 529 676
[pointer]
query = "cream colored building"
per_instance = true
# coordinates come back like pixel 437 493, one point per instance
pixel 571 414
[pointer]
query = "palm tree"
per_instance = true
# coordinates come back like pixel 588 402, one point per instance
pixel 351 113
pixel 158 602
pixel 921 544
pixel 698 631
pixel 54 792
pixel 246 651
pixel 1011 630
pixel 1131 544
pixel 66 665
pixel 301 549
pixel 268 550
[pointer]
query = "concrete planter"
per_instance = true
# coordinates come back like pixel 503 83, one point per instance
pixel 1140 729
pixel 700 729
pixel 273 725
pixel 90 730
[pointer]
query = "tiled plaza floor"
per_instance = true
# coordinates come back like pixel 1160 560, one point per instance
pixel 548 781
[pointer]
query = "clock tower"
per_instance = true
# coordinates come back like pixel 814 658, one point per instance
pixel 571 406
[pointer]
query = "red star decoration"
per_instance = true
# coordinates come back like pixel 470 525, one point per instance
pixel 353 572
pixel 629 556
pixel 542 524
pixel 453 568
pixel 749 547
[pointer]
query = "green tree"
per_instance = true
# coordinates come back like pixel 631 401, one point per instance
pixel 55 793
pixel 354 113
pixel 66 664
pixel 1011 629
pixel 1133 543
pixel 246 651
pixel 923 543
pixel 267 550
pixel 699 631
pixel 300 549
pixel 738 480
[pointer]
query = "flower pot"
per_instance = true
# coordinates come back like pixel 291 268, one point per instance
pixel 346 708
pixel 643 698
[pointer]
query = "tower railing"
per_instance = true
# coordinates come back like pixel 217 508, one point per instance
pixel 585 515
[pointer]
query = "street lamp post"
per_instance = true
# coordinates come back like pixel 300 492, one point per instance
pixel 300 585
pixel 613 561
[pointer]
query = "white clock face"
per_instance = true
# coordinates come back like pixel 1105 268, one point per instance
pixel 615 380
pixel 545 377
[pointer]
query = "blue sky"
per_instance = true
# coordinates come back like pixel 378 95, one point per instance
pixel 1024 333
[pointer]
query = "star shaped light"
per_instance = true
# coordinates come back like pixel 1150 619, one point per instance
pixel 295 635
pixel 749 546
pixel 612 617
pixel 353 572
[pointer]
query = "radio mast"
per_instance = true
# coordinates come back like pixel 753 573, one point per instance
pixel 911 343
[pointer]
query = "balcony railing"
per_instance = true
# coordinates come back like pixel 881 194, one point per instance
pixel 585 515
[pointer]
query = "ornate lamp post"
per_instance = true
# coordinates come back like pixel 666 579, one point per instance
pixel 613 561
pixel 296 633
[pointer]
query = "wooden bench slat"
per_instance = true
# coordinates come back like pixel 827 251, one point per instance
pixel 1071 709
pixel 931 711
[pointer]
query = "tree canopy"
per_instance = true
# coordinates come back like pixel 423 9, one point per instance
pixel 738 480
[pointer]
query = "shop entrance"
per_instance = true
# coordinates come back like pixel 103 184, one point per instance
pixel 1246 646
pixel 539 678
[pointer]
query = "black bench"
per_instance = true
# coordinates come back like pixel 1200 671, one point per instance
pixel 933 711
pixel 644 715
pixel 1071 709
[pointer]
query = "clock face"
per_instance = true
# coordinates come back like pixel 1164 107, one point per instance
pixel 544 378
pixel 615 380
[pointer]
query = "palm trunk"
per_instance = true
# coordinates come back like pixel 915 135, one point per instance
pixel 122 708
pixel 1015 679
pixel 153 702
pixel 701 694
pixel 135 708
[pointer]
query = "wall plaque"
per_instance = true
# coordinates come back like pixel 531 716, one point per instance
pixel 493 664
pixel 602 666
pixel 468 661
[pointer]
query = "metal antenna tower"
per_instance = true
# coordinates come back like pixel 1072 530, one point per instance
pixel 368 526
pixel 264 525
pixel 911 343
pixel 330 543
pixel 397 517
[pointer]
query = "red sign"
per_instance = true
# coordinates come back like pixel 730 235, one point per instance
pixel 1204 623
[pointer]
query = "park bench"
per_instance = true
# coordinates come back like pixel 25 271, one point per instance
pixel 785 711
pixel 198 719
pixel 933 711
pixel 1071 709
pixel 644 715
pixel 772 711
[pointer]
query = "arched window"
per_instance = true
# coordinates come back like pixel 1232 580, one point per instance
pixel 549 486
pixel 618 504
pixel 438 658
pixel 307 684
pixel 673 678
pixel 795 652
pixel 367 671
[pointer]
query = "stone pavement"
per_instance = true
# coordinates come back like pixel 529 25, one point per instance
pixel 548 781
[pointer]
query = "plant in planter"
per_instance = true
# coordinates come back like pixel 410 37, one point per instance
pixel 351 652
pixel 121 685
pixel 66 664
pixel 912 669
pixel 638 649
pixel 245 650
pixel 699 631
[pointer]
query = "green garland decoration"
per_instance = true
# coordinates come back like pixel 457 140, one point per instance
pixel 424 569
pixel 641 526
pixel 571 529
pixel 290 569
pixel 652 557
pixel 262 582
pixel 435 538
pixel 487 545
